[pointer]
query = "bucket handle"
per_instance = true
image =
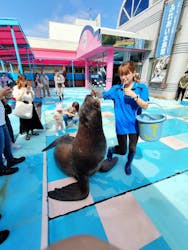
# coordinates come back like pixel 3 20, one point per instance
pixel 150 116
pixel 164 112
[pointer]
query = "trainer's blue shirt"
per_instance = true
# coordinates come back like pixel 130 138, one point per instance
pixel 125 107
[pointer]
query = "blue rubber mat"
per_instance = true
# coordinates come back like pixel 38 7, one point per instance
pixel 89 221
pixel 162 203
pixel 149 166
pixel 153 164
pixel 151 202
pixel 21 205
pixel 154 161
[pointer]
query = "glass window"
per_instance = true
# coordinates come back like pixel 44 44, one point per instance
pixel 143 5
pixel 132 8
pixel 123 18
pixel 136 2
pixel 128 7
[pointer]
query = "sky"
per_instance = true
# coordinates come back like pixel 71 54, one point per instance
pixel 33 15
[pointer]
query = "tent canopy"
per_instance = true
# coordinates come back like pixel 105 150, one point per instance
pixel 13 39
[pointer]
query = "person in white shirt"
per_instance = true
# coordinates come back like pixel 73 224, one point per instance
pixel 59 81
pixel 23 92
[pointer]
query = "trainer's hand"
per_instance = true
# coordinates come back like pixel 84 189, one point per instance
pixel 129 92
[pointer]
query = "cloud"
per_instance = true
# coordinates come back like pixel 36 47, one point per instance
pixel 41 29
pixel 67 19
pixel 78 9
pixel 38 30
pixel 71 18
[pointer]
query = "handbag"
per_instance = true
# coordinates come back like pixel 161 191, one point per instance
pixel 23 110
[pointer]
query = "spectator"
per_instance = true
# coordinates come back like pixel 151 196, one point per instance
pixel 4 80
pixel 38 86
pixel 5 141
pixel 59 81
pixel 8 110
pixel 23 92
pixel 5 148
pixel 182 85
pixel 45 82
pixel 71 114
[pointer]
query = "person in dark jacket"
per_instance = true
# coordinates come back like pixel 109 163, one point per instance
pixel 8 110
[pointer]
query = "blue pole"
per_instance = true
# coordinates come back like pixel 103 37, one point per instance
pixel 11 69
pixel 73 74
pixel 17 51
pixel 2 65
pixel 68 71
pixel 30 68
pixel 34 66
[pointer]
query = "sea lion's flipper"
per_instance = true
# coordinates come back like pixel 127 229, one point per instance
pixel 63 139
pixel 107 165
pixel 73 192
pixel 52 145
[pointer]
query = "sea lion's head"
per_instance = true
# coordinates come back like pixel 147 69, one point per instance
pixel 90 112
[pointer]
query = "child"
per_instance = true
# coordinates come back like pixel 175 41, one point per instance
pixel 59 80
pixel 58 117
pixel 71 114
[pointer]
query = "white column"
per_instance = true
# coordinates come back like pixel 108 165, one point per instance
pixel 145 67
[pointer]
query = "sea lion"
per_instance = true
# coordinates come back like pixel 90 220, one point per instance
pixel 82 155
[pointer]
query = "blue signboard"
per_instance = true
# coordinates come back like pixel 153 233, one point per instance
pixel 168 27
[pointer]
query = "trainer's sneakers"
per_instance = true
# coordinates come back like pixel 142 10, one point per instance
pixel 128 170
pixel 4 235
pixel 15 161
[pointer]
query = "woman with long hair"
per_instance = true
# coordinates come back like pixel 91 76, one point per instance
pixel 23 92
pixel 129 98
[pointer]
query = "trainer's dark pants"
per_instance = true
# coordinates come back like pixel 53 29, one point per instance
pixel 121 148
